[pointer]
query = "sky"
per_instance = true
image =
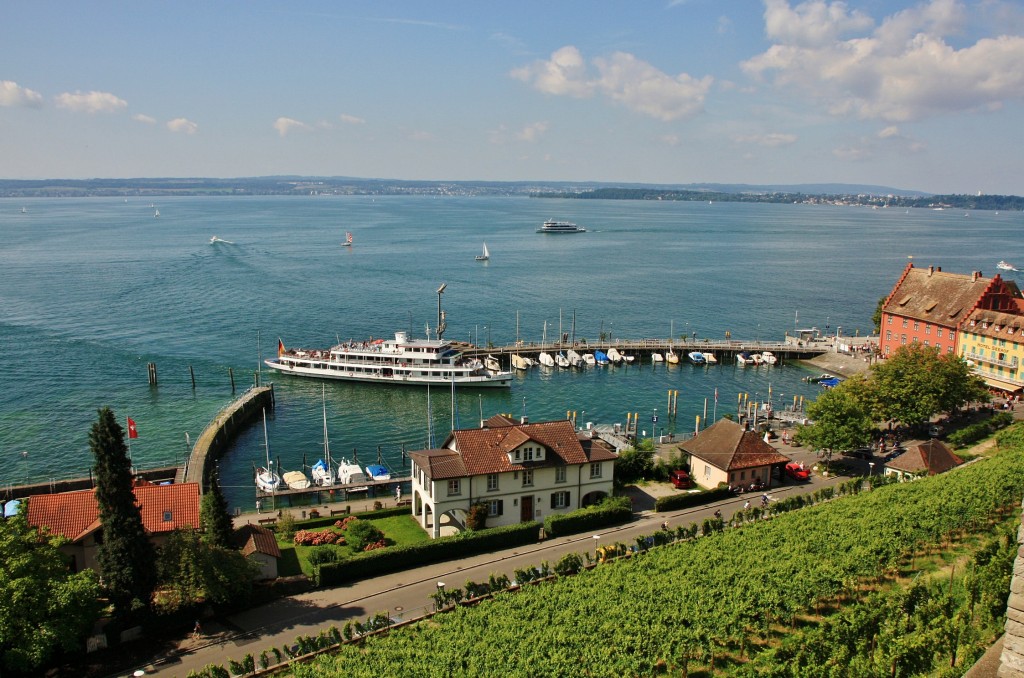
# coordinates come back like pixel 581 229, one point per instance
pixel 924 95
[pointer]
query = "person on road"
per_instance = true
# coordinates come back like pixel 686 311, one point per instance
pixel 746 505
pixel 197 631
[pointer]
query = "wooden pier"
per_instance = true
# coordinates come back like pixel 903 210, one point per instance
pixel 725 350
pixel 369 486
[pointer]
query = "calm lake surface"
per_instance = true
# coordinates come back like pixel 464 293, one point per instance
pixel 91 290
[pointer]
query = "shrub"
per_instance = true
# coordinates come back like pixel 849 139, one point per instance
pixel 319 555
pixel 476 519
pixel 570 563
pixel 286 526
pixel 359 533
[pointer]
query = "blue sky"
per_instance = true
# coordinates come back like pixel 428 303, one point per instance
pixel 916 95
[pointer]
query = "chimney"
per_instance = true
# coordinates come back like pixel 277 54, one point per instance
pixel 931 269
pixel 975 275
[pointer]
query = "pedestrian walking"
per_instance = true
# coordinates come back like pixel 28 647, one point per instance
pixel 746 505
pixel 197 632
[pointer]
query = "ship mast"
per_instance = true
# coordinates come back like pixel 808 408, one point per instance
pixel 441 324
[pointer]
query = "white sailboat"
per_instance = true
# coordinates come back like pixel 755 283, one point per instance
pixel 323 469
pixel 562 360
pixel 519 362
pixel 614 355
pixel 266 479
pixel 485 256
pixel 157 214
pixel 546 360
pixel 574 358
pixel 348 240
pixel 492 363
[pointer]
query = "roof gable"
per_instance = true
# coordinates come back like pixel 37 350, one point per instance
pixel 931 457
pixel 485 450
pixel 251 539
pixel 936 296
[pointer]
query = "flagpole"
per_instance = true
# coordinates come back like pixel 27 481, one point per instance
pixel 128 425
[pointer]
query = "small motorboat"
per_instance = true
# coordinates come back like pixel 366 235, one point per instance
pixel 491 363
pixel 295 480
pixel 710 358
pixel 378 472
pixel 519 362
pixel 589 360
pixel 657 358
pixel 351 474
pixel 601 358
pixel 1004 266
pixel 562 360
pixel 574 358
pixel 628 358
pixel 614 355
pixel 744 358
pixel 768 357
pixel 696 357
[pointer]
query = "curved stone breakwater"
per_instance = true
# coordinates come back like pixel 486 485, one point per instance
pixel 215 439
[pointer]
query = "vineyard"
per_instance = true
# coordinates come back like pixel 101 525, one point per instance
pixel 807 593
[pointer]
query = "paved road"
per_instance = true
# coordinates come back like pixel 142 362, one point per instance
pixel 406 595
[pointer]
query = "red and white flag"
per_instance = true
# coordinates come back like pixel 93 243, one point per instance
pixel 132 431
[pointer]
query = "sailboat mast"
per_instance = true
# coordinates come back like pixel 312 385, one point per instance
pixel 327 446
pixel 266 439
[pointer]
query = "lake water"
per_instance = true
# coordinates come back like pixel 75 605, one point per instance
pixel 91 290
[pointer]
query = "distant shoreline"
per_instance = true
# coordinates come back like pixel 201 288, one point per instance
pixel 814 194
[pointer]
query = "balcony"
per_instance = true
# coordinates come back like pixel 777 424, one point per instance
pixel 978 358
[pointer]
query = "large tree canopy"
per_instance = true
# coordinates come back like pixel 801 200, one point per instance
pixel 43 607
pixel 126 556
pixel 842 419
pixel 917 382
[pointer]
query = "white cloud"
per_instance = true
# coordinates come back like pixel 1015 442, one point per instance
pixel 533 132
pixel 11 94
pixel 771 140
pixel 351 119
pixel 284 125
pixel 623 78
pixel 670 139
pixel 183 125
pixel 889 132
pixel 91 102
pixel 900 71
pixel 139 117
pixel 854 153
pixel 420 135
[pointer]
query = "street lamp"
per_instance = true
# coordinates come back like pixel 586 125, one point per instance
pixel 871 468
pixel 440 586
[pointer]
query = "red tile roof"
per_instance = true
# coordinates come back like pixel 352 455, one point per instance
pixel 932 456
pixel 76 514
pixel 256 539
pixel 479 451
pixel 728 446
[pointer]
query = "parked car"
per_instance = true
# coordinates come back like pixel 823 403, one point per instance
pixel 797 471
pixel 860 453
pixel 680 479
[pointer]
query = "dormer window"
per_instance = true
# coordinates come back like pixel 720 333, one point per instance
pixel 519 455
pixel 168 516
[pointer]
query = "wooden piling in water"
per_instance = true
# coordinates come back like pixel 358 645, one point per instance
pixel 192 374
pixel 231 375
pixel 151 368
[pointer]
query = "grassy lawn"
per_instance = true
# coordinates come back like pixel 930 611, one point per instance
pixel 400 530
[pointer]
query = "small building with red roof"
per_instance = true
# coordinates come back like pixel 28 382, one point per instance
pixel 259 545
pixel 727 453
pixel 924 459
pixel 76 516
pixel 520 471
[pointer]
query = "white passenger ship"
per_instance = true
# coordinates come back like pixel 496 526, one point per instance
pixel 553 226
pixel 390 361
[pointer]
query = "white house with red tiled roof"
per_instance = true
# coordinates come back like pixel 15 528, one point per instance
pixel 76 516
pixel 727 453
pixel 520 471
pixel 258 544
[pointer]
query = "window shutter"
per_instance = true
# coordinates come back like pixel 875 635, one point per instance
pixel 568 498
pixel 554 499
pixel 501 506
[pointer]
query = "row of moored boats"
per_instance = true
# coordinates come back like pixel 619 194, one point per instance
pixel 763 358
pixel 598 358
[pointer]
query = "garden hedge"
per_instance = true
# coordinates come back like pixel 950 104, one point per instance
pixel 674 502
pixel 609 512
pixel 397 558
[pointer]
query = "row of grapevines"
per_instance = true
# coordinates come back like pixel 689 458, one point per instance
pixel 707 601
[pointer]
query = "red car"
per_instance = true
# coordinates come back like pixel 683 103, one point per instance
pixel 797 471
pixel 680 479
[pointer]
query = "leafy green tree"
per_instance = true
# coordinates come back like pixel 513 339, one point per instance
pixel 126 556
pixel 841 419
pixel 876 317
pixel 214 517
pixel 192 570
pixel 359 533
pixel 635 463
pixel 917 382
pixel 45 608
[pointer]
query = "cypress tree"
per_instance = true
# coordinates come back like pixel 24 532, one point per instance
pixel 127 558
pixel 214 517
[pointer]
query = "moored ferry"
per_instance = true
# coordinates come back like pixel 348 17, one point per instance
pixel 552 226
pixel 390 361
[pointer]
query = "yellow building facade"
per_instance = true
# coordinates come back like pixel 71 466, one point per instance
pixel 993 344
